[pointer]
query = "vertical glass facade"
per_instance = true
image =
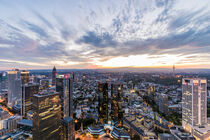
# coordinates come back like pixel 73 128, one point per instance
pixel 116 103
pixel 46 116
pixel 103 102
pixel 28 90
pixel 64 86
pixel 14 88
pixel 24 76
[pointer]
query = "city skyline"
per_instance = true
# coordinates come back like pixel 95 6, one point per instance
pixel 105 34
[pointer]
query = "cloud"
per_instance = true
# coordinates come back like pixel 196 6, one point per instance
pixel 36 29
pixel 103 40
pixel 103 31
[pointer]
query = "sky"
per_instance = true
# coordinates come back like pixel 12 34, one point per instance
pixel 81 34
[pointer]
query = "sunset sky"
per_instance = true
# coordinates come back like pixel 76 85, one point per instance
pixel 38 34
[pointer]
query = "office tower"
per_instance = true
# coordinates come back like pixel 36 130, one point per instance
pixel 28 90
pixel 163 103
pixel 46 116
pixel 116 103
pixel 64 86
pixel 194 102
pixel 54 76
pixel 4 83
pixel 68 129
pixel 24 76
pixel 103 102
pixel 14 88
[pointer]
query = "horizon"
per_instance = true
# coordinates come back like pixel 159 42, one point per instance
pixel 104 35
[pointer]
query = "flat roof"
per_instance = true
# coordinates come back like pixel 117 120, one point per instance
pixel 26 122
pixel 204 129
pixel 67 119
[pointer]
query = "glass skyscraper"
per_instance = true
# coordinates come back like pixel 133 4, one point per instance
pixel 116 103
pixel 14 88
pixel 28 90
pixel 103 102
pixel 64 86
pixel 24 75
pixel 46 116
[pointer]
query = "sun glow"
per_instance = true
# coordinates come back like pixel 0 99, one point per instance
pixel 141 61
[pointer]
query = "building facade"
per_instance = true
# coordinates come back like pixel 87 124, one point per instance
pixel 46 116
pixel 24 76
pixel 194 102
pixel 14 88
pixel 194 107
pixel 28 90
pixel 103 102
pixel 116 103
pixel 163 103
pixel 64 86
pixel 68 129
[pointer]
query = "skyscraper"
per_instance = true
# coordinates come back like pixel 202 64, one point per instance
pixel 3 81
pixel 46 116
pixel 103 102
pixel 64 86
pixel 54 76
pixel 14 88
pixel 24 76
pixel 194 102
pixel 116 103
pixel 28 90
pixel 68 129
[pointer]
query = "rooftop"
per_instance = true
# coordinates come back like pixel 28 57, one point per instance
pixel 26 122
pixel 67 119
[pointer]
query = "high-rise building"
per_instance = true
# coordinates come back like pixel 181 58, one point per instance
pixel 194 102
pixel 28 90
pixel 46 116
pixel 103 102
pixel 116 103
pixel 14 88
pixel 194 107
pixel 163 103
pixel 54 76
pixel 64 86
pixel 68 129
pixel 24 76
pixel 3 81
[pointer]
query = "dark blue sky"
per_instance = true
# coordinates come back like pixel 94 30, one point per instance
pixel 104 33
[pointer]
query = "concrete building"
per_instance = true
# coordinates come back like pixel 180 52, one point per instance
pixel 163 103
pixel 194 107
pixel 14 88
